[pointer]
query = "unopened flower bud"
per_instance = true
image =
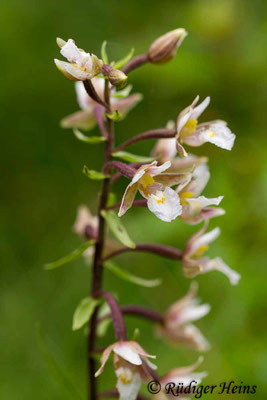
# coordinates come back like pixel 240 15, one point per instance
pixel 116 77
pixel 164 48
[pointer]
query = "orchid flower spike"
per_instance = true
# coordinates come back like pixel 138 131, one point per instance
pixel 196 208
pixel 131 367
pixel 194 263
pixel 80 65
pixel 154 185
pixel 86 119
pixel 194 134
pixel 177 327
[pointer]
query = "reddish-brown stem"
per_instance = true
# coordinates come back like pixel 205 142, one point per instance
pixel 97 263
pixel 135 63
pixel 136 203
pixel 159 249
pixel 99 112
pixel 116 314
pixel 139 311
pixel 151 134
pixel 122 168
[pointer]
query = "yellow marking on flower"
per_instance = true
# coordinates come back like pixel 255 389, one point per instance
pixel 184 196
pixel 161 201
pixel 124 379
pixel 146 180
pixel 211 134
pixel 189 127
pixel 198 253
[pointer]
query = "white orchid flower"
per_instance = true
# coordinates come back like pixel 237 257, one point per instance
pixel 194 263
pixel 131 367
pixel 194 134
pixel 86 119
pixel 80 65
pixel 177 327
pixel 154 185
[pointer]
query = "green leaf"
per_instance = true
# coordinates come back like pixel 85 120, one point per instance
pixel 123 93
pixel 125 156
pixel 127 276
pixel 136 335
pixel 114 116
pixel 84 312
pixel 104 55
pixel 117 228
pixel 60 376
pixel 95 175
pixel 70 257
pixel 120 63
pixel 91 140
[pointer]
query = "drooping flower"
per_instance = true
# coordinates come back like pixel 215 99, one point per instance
pixel 154 185
pixel 195 208
pixel 194 134
pixel 131 367
pixel 177 325
pixel 85 225
pixel 80 65
pixel 85 119
pixel 182 377
pixel 194 263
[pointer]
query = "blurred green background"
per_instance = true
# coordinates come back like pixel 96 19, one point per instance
pixel 224 56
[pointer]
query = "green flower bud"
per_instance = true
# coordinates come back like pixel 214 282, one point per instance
pixel 116 77
pixel 164 48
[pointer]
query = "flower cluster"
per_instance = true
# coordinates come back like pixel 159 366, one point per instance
pixel 170 182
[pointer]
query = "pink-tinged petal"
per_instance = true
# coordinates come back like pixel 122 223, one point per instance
pixel 200 108
pixel 81 119
pixel 84 218
pixel 205 214
pixel 183 371
pixel 205 201
pixel 172 178
pixel 128 198
pixel 194 238
pixel 125 105
pixel 219 265
pixel 165 205
pixel 104 359
pixel 185 116
pixel 155 170
pixel 138 349
pixel 127 352
pixel 204 240
pixel 181 150
pixel 165 149
pixel 187 163
pixel 200 178
pixel 220 135
pixel 128 388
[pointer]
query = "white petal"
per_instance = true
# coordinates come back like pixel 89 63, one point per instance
pixel 85 102
pixel 200 178
pixel 203 201
pixel 185 116
pixel 154 170
pixel 70 51
pixel 220 135
pixel 165 149
pixel 129 390
pixel 71 71
pixel 126 352
pixel 200 108
pixel 205 239
pixel 193 312
pixel 165 205
pixel 201 342
pixel 219 265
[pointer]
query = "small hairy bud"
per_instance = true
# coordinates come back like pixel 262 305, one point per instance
pixel 116 77
pixel 164 48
